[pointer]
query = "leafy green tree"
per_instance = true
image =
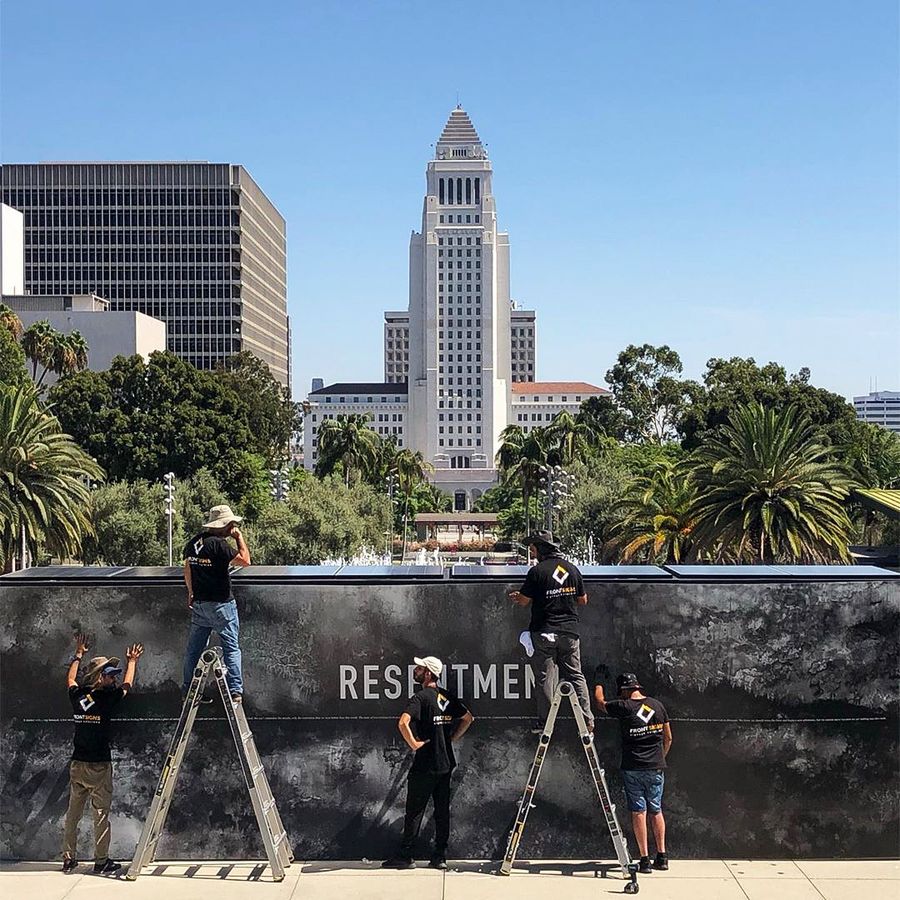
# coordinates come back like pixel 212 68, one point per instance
pixel 44 493
pixel 412 470
pixel 873 454
pixel 646 388
pixel 604 417
pixel 322 518
pixel 730 383
pixel 52 351
pixel 349 444
pixel 129 525
pixel 588 518
pixel 271 416
pixel 143 419
pixel 657 518
pixel 768 492
pixel 12 359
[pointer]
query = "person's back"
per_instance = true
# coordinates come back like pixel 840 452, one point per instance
pixel 554 585
pixel 209 557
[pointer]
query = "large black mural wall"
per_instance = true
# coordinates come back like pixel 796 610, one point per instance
pixel 783 698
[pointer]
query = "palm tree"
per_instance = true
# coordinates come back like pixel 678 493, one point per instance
pixel 39 342
pixel 522 458
pixel 657 519
pixel 412 468
pixel 569 438
pixel 72 354
pixel 349 442
pixel 10 321
pixel 44 480
pixel 767 491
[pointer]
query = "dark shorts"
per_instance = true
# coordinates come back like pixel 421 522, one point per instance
pixel 644 789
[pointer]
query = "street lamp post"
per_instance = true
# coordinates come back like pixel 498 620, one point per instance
pixel 169 479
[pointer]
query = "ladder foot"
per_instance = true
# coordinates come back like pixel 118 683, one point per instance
pixel 631 887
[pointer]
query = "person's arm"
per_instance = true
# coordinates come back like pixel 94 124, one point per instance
pixel 131 654
pixel 667 738
pixel 464 723
pixel 582 600
pixel 581 596
pixel 243 555
pixel 519 598
pixel 526 593
pixel 600 698
pixel 81 647
pixel 188 583
pixel 406 731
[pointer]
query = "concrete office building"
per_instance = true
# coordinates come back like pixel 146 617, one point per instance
pixel 108 333
pixel 879 408
pixel 459 363
pixel 195 244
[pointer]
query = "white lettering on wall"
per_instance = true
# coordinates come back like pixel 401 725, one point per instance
pixel 347 675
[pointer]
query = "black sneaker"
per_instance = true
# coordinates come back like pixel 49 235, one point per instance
pixel 661 862
pixel 237 698
pixel 438 862
pixel 107 867
pixel 644 866
pixel 398 862
pixel 69 865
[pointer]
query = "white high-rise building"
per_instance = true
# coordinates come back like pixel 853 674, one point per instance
pixel 448 359
pixel 879 408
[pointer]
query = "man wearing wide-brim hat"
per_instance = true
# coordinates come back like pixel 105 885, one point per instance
pixel 93 701
pixel 555 590
pixel 208 557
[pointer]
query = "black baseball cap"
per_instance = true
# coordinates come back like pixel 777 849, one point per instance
pixel 628 681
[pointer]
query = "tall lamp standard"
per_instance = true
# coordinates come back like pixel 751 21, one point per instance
pixel 169 479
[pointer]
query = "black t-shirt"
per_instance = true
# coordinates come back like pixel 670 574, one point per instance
pixel 553 586
pixel 92 709
pixel 641 723
pixel 209 557
pixel 433 712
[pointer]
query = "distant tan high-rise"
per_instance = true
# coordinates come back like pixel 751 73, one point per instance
pixel 196 244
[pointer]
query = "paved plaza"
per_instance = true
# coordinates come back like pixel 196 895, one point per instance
pixel 711 879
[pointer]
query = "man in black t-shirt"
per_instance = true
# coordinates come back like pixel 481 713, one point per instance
pixel 207 560
pixel 432 721
pixel 90 772
pixel 555 589
pixel 646 739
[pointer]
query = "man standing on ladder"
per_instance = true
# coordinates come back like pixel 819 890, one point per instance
pixel 646 739
pixel 207 560
pixel 432 721
pixel 555 589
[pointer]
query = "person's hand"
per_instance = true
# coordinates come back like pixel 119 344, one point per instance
pixel 418 745
pixel 134 652
pixel 81 644
pixel 190 601
pixel 234 531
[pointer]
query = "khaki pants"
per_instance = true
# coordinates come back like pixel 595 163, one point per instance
pixel 92 780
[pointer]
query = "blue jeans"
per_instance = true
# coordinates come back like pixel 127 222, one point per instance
pixel 644 789
pixel 222 618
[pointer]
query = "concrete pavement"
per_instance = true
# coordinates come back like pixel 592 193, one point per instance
pixel 712 879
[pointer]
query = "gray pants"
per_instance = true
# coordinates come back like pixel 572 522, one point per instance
pixel 556 661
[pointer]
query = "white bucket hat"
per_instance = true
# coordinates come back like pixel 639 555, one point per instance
pixel 220 516
pixel 432 663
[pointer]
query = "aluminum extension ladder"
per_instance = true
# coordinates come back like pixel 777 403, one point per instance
pixel 271 828
pixel 629 869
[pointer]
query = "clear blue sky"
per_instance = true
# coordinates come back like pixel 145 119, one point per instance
pixel 718 176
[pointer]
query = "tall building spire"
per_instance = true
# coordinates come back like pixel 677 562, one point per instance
pixel 459 137
pixel 459 129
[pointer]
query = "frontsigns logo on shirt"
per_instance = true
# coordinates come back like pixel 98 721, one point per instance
pixel 442 702
pixel 645 713
pixel 560 575
pixel 86 702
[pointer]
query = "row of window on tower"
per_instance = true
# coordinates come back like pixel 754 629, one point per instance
pixel 459 191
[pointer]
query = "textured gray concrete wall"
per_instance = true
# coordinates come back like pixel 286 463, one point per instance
pixel 783 699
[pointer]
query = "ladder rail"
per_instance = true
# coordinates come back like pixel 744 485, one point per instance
pixel 534 775
pixel 254 775
pixel 165 788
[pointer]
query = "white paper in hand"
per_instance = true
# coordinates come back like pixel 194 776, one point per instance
pixel 525 641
